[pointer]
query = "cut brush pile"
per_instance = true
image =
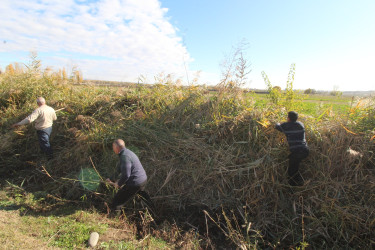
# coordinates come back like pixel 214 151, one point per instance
pixel 214 161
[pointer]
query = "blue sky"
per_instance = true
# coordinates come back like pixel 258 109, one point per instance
pixel 332 42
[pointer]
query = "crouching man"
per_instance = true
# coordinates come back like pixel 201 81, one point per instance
pixel 295 135
pixel 132 180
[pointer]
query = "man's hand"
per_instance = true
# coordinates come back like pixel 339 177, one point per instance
pixel 15 125
pixel 278 127
pixel 108 181
pixel 114 184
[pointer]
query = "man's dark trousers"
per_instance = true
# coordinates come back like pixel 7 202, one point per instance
pixel 127 192
pixel 43 136
pixel 295 158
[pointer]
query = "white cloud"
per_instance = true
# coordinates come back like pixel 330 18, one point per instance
pixel 108 39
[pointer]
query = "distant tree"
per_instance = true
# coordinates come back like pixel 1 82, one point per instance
pixel 310 91
pixel 64 75
pixel 76 75
pixel 276 88
pixel 9 69
pixel 335 91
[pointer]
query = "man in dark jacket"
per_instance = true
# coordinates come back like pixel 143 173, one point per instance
pixel 295 135
pixel 133 177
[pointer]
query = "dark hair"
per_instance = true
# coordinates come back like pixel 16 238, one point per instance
pixel 293 116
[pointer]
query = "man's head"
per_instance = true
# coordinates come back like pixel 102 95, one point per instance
pixel 40 101
pixel 292 116
pixel 118 145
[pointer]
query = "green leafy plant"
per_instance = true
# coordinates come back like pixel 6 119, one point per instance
pixel 290 98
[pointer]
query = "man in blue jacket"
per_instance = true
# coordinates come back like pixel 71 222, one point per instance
pixel 295 135
pixel 133 177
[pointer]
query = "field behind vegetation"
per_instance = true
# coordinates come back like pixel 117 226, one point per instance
pixel 216 166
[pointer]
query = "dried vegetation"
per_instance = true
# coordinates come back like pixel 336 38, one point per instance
pixel 214 161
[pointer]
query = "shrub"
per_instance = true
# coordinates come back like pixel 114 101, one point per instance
pixel 310 91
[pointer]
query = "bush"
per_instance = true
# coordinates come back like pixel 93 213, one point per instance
pixel 310 92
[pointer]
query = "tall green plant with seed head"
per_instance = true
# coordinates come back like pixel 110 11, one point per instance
pixel 288 98
pixel 274 94
pixel 235 69
pixel 290 94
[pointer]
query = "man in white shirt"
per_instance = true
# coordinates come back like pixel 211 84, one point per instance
pixel 43 116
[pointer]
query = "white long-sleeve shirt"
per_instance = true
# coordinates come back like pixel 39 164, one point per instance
pixel 43 117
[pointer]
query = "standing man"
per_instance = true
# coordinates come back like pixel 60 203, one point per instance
pixel 295 135
pixel 133 177
pixel 43 116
